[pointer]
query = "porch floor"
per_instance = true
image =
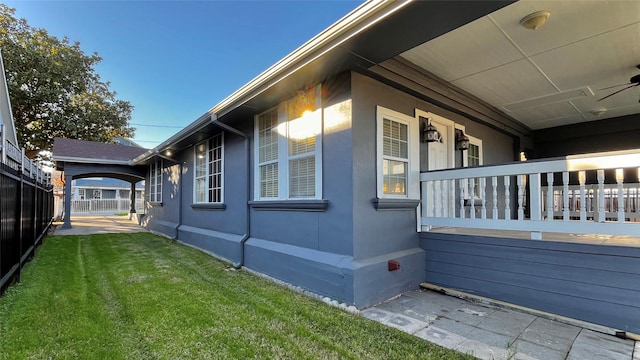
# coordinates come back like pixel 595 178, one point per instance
pixel 596 239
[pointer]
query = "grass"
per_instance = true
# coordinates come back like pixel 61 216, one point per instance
pixel 141 296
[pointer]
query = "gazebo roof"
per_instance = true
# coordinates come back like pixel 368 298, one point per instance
pixel 80 151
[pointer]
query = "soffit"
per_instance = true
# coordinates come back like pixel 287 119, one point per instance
pixel 590 44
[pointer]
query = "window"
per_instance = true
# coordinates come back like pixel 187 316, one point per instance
pixel 208 179
pixel 398 155
pixel 81 194
pixel 97 194
pixel 288 149
pixel 473 158
pixel 155 182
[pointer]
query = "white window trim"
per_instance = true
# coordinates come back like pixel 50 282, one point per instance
pixel 208 175
pixel 155 197
pixel 465 163
pixel 473 141
pixel 283 153
pixel 413 168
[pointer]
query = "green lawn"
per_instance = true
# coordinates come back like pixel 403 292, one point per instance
pixel 141 296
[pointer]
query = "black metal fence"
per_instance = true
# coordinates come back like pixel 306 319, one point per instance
pixel 26 210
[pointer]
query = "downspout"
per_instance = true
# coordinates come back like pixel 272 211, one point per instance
pixel 179 190
pixel 247 232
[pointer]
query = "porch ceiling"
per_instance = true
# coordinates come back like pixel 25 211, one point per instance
pixel 587 45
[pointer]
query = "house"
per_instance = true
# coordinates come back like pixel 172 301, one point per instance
pixel 6 115
pixel 104 196
pixel 389 150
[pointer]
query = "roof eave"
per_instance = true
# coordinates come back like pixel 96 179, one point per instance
pixel 91 161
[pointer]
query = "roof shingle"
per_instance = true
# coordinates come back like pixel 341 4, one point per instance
pixel 90 150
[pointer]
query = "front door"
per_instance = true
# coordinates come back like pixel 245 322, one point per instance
pixel 440 156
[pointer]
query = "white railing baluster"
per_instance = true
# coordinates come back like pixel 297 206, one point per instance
pixel 520 184
pixel 424 197
pixel 601 202
pixel 550 196
pixel 583 195
pixel 472 198
pixel 483 209
pixel 619 180
pixel 494 189
pixel 452 198
pixel 507 198
pixel 461 185
pixel 443 198
pixel 433 199
pixel 565 195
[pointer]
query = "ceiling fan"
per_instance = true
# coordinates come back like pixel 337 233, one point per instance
pixel 633 82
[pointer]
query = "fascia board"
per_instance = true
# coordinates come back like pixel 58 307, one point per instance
pixel 91 161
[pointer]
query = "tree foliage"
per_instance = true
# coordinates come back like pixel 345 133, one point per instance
pixel 55 90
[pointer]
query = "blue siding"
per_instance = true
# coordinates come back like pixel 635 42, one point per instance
pixel 594 283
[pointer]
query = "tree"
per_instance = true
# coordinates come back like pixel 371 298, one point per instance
pixel 55 90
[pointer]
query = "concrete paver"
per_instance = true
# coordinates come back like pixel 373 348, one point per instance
pixel 441 337
pixel 507 322
pixel 540 351
pixel 491 338
pixel 405 323
pixel 594 345
pixel 492 332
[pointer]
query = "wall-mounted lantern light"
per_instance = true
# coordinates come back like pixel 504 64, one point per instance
pixel 430 133
pixel 462 140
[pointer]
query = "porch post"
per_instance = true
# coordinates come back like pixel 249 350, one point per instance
pixel 133 198
pixel 67 202
pixel 535 201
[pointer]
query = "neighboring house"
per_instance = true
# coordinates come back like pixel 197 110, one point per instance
pixel 385 152
pixel 6 114
pixel 104 196
pixel 104 189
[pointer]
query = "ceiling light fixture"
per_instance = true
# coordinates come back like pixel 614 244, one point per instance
pixel 598 112
pixel 535 20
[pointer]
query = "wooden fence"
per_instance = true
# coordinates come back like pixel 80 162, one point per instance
pixel 26 209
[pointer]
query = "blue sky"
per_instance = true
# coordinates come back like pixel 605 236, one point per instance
pixel 174 60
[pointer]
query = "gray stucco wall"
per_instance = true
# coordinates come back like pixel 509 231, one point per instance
pixel 594 283
pixel 218 230
pixel 313 249
pixel 341 251
pixel 383 235
pixel 163 217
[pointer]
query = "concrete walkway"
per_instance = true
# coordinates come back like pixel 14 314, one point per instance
pixel 101 224
pixel 491 332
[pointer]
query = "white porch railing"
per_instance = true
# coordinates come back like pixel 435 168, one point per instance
pixel 104 206
pixel 590 194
